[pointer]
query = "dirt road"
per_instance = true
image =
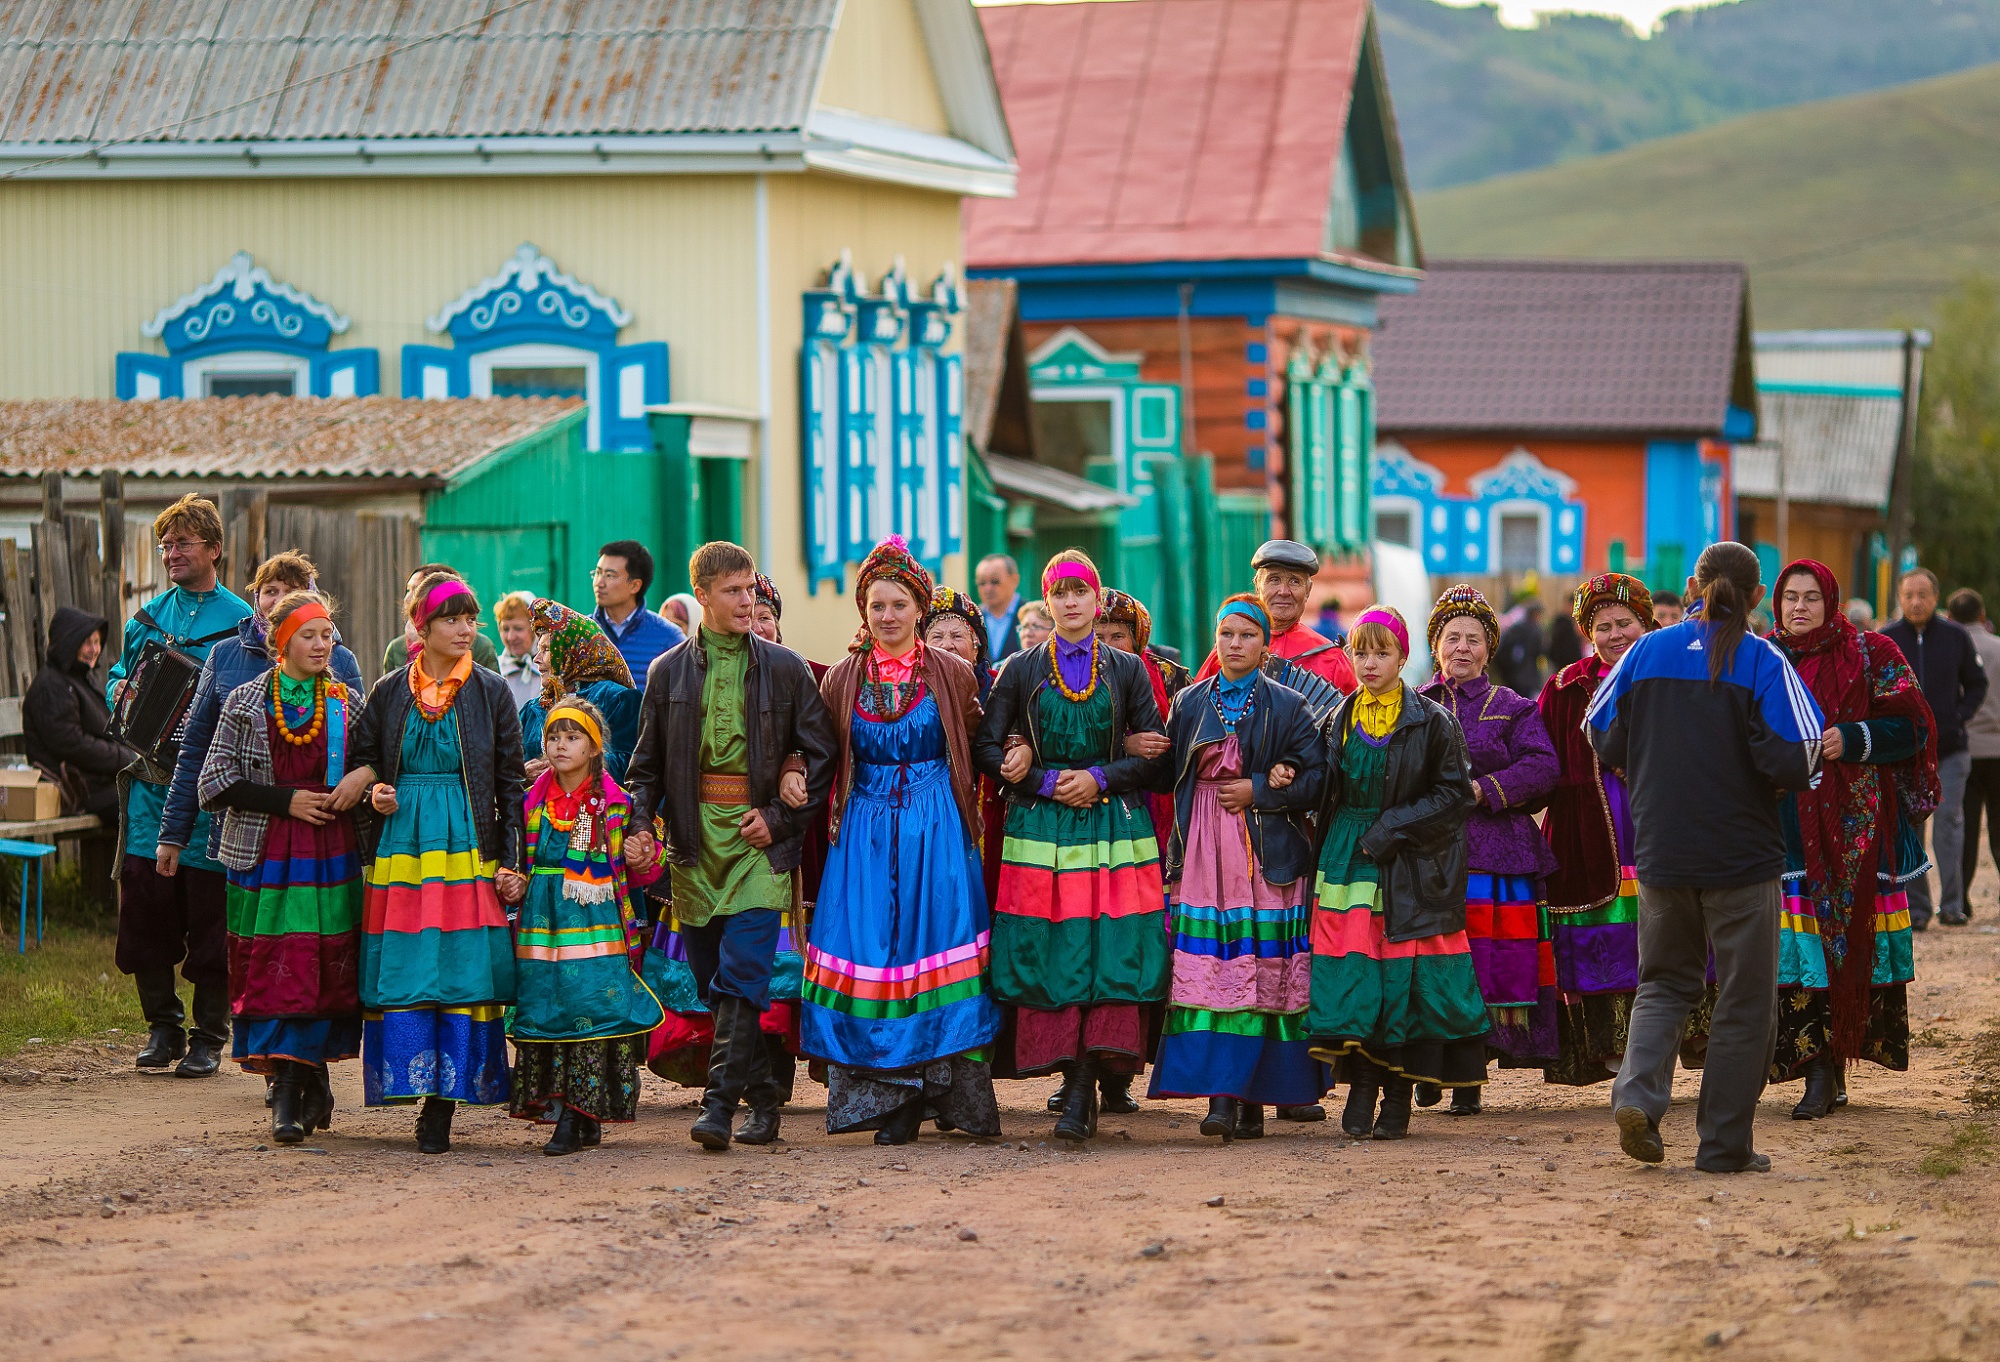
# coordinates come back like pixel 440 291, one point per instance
pixel 142 1217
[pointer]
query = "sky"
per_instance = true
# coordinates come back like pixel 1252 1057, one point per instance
pixel 1641 14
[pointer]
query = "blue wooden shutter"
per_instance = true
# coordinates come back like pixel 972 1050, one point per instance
pixel 857 391
pixel 821 439
pixel 951 446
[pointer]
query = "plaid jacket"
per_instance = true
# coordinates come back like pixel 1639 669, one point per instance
pixel 241 750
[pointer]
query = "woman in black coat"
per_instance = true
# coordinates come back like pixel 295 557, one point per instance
pixel 64 719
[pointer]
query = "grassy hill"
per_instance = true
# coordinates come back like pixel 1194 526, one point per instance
pixel 1475 98
pixel 1851 212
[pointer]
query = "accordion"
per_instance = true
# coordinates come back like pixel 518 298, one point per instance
pixel 152 710
pixel 1322 697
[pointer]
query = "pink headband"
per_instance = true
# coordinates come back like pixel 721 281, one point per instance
pixel 1389 622
pixel 439 594
pixel 1058 571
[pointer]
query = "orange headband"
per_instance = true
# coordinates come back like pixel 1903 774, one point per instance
pixel 580 719
pixel 282 635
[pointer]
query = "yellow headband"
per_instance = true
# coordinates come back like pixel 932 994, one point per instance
pixel 580 719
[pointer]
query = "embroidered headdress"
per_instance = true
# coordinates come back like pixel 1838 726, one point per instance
pixel 1462 602
pixel 1612 588
pixel 579 652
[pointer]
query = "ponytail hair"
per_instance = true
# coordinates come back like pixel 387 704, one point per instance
pixel 1728 577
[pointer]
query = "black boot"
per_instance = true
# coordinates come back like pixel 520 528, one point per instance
pixel 1364 1082
pixel 902 1124
pixel 784 1069
pixel 1056 1099
pixel 1464 1101
pixel 318 1109
pixel 1114 1094
pixel 1394 1121
pixel 1310 1111
pixel 1249 1121
pixel 1818 1099
pixel 1840 1076
pixel 210 1033
pixel 567 1139
pixel 434 1126
pixel 1079 1118
pixel 728 1070
pixel 287 1100
pixel 161 1007
pixel 1428 1094
pixel 589 1130
pixel 760 1094
pixel 1221 1118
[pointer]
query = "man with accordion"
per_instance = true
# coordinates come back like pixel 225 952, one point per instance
pixel 172 908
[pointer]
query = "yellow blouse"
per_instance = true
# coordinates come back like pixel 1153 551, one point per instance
pixel 1376 714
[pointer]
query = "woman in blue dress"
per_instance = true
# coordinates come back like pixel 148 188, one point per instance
pixel 896 997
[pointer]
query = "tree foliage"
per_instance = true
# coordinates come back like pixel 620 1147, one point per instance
pixel 1955 491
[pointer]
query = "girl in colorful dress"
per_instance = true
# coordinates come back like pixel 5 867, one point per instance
pixel 955 624
pixel 1251 767
pixel 438 751
pixel 577 658
pixel 1593 892
pixel 896 997
pixel 582 1016
pixel 1080 942
pixel 1513 771
pixel 1851 846
pixel 1395 997
pixel 279 750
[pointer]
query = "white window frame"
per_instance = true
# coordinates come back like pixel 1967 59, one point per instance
pixel 1409 506
pixel 195 373
pixel 536 355
pixel 1113 397
pixel 1498 512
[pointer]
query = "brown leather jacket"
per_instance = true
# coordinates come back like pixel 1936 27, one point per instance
pixel 954 684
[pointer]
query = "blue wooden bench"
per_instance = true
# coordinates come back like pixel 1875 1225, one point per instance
pixel 32 856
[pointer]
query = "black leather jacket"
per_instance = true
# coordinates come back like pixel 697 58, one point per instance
pixel 1419 839
pixel 1010 709
pixel 489 736
pixel 783 714
pixel 1278 728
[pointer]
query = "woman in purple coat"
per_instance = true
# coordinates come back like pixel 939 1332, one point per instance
pixel 1513 770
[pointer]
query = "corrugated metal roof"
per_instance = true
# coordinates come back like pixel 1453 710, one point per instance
pixel 115 70
pixel 266 437
pixel 1647 348
pixel 1053 485
pixel 1838 450
pixel 1168 129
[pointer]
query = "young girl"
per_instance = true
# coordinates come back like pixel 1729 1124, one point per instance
pixel 1251 766
pixel 1394 997
pixel 437 750
pixel 294 868
pixel 1080 940
pixel 583 1018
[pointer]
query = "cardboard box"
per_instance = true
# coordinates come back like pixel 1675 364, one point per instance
pixel 26 797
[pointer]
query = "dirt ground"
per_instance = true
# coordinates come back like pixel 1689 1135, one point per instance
pixel 144 1217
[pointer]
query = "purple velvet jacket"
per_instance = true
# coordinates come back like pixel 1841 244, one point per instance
pixel 1513 770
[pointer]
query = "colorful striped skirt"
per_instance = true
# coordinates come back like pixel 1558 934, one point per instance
pixel 1806 1023
pixel 1597 973
pixel 1514 957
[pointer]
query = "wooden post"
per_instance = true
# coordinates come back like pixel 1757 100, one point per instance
pixel 111 514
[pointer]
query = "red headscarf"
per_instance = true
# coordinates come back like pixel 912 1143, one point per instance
pixel 1854 677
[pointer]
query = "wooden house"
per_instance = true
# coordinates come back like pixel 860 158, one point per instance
pixel 729 208
pixel 1211 203
pixel 1562 418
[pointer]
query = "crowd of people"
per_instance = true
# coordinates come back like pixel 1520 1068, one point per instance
pixel 1017 839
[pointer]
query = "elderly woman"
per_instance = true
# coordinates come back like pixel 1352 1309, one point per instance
pixel 578 659
pixel 1593 892
pixel 952 622
pixel 896 997
pixel 1513 771
pixel 1851 845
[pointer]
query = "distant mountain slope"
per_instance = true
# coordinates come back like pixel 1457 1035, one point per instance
pixel 1475 99
pixel 1850 212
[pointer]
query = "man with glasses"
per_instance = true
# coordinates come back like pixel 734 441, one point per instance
pixel 620 580
pixel 171 901
pixel 998 579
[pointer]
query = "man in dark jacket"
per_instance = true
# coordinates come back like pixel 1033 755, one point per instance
pixel 1522 646
pixel 723 710
pixel 64 719
pixel 1954 681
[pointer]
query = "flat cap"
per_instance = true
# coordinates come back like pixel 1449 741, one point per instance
pixel 1285 553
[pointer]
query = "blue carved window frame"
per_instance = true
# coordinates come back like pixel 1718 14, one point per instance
pixel 245 319
pixel 533 314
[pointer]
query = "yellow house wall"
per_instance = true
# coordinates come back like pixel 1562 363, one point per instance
pixel 879 66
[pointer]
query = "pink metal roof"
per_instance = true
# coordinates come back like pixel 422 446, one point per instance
pixel 1168 129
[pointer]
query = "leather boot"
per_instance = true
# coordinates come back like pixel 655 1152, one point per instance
pixel 902 1124
pixel 566 1139
pixel 1428 1094
pixel 1249 1121
pixel 589 1130
pixel 1818 1099
pixel 209 1034
pixel 1393 1123
pixel 1308 1112
pixel 1221 1118
pixel 728 1070
pixel 760 1094
pixel 318 1109
pixel 784 1069
pixel 287 1099
pixel 1056 1099
pixel 161 1007
pixel 1079 1118
pixel 1840 1078
pixel 1464 1102
pixel 1114 1094
pixel 434 1126
pixel 1357 1119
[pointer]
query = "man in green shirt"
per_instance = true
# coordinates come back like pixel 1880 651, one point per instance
pixel 730 708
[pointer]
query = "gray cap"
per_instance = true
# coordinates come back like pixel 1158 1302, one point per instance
pixel 1285 553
